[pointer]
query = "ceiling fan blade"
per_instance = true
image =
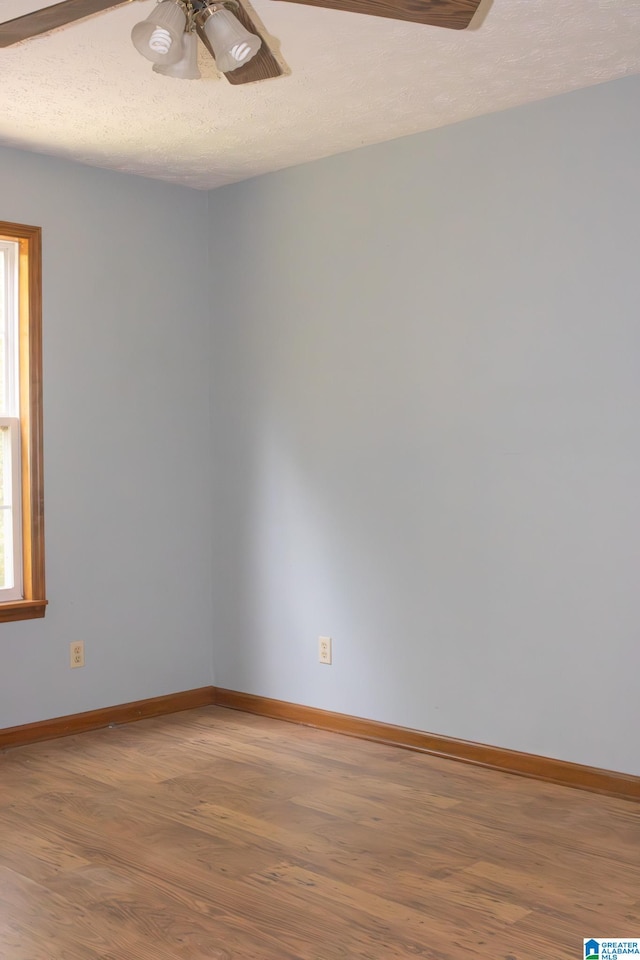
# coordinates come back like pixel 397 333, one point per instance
pixel 59 15
pixel 263 66
pixel 454 14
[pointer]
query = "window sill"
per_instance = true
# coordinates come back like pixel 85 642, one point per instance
pixel 22 610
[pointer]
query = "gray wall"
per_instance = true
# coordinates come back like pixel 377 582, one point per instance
pixel 127 441
pixel 426 394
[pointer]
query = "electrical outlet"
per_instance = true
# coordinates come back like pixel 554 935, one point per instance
pixel 324 649
pixel 76 653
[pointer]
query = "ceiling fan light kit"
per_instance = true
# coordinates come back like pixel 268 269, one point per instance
pixel 167 37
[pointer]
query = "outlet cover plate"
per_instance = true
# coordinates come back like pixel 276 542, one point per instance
pixel 76 654
pixel 324 650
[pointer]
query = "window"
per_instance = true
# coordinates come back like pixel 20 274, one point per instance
pixel 22 586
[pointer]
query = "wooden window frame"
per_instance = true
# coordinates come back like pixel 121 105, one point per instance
pixel 29 241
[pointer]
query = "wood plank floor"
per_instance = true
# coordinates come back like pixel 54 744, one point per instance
pixel 217 835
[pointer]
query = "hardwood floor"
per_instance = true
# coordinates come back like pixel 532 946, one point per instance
pixel 213 834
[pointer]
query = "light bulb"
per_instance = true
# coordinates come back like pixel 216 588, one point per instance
pixel 160 40
pixel 241 51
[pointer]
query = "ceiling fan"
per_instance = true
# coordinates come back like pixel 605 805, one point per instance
pixel 168 36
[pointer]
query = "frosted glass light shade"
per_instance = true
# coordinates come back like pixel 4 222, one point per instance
pixel 187 67
pixel 159 37
pixel 232 44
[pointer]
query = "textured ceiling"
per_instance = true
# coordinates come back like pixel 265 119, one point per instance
pixel 86 94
